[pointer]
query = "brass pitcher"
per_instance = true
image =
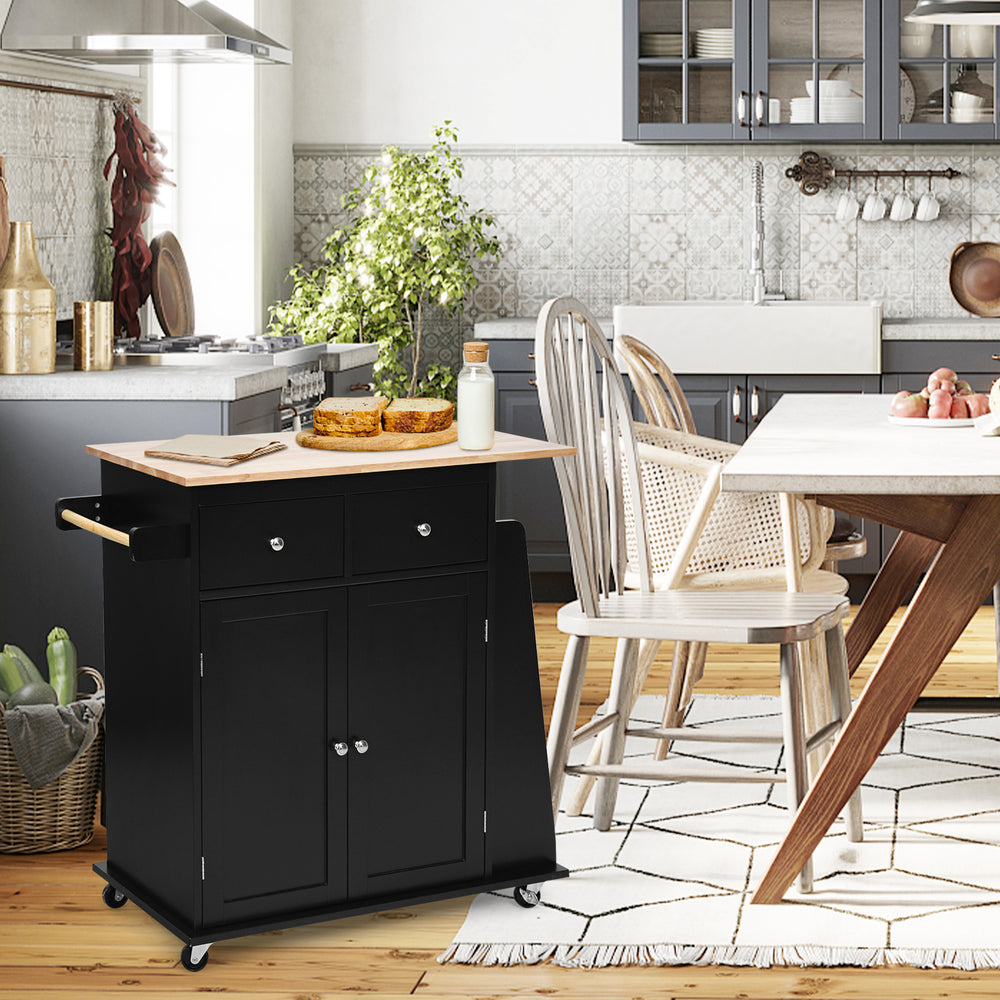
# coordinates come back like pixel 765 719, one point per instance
pixel 27 309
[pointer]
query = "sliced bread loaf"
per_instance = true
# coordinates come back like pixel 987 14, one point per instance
pixel 349 416
pixel 420 415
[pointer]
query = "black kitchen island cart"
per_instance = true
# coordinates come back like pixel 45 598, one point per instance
pixel 323 694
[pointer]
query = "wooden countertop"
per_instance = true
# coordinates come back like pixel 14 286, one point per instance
pixel 296 462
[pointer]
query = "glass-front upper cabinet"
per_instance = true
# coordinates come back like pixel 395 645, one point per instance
pixel 751 69
pixel 947 78
pixel 686 69
pixel 815 69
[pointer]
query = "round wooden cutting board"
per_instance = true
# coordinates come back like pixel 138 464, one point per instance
pixel 386 441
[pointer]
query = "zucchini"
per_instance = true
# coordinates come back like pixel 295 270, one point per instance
pixel 61 656
pixel 3 697
pixel 13 673
pixel 34 693
pixel 28 670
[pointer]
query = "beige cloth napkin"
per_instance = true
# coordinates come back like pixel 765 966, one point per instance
pixel 214 449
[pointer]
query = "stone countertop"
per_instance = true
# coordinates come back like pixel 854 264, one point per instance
pixel 960 328
pixel 341 357
pixel 185 377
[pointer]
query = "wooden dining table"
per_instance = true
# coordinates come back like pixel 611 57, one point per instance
pixel 938 482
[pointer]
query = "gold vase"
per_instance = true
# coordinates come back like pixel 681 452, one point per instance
pixel 27 309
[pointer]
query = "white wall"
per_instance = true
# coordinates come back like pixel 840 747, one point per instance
pixel 274 167
pixel 515 71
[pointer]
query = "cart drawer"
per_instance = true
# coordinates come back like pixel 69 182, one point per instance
pixel 271 542
pixel 418 528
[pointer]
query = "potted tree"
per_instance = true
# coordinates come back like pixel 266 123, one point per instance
pixel 408 248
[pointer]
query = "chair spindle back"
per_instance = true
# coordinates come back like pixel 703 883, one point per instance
pixel 585 405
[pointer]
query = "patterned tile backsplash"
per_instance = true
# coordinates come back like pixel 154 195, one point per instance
pixel 54 147
pixel 655 223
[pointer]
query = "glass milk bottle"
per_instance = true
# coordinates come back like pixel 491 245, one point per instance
pixel 475 398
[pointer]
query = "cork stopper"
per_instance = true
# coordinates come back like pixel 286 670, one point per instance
pixel 476 352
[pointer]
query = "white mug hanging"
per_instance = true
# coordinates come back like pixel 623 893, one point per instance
pixel 875 206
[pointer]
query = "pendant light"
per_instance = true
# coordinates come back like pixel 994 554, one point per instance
pixel 956 12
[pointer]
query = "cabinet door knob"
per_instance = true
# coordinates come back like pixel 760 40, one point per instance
pixel 340 749
pixel 361 746
pixel 736 405
pixel 423 529
pixel 741 108
pixel 277 543
pixel 759 107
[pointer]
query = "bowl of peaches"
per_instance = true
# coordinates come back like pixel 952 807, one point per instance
pixel 946 401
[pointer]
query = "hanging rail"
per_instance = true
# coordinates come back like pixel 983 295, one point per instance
pixel 813 173
pixel 48 88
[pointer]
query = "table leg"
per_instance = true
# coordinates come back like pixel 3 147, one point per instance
pixel 957 583
pixel 909 557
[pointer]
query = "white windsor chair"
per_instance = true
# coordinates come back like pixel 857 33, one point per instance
pixel 584 405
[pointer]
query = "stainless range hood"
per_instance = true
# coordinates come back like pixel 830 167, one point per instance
pixel 135 31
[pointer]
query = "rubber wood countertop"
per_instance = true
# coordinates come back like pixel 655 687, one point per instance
pixel 296 462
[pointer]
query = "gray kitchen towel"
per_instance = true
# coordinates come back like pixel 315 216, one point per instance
pixel 46 739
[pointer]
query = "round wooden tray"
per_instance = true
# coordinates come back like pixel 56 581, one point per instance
pixel 173 300
pixel 386 441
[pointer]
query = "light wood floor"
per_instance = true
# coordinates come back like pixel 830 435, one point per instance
pixel 57 939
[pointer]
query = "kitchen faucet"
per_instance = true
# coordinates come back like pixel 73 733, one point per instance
pixel 760 293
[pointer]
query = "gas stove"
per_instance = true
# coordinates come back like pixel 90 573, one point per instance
pixel 305 384
pixel 216 345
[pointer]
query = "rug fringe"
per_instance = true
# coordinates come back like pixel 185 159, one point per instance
pixel 597 956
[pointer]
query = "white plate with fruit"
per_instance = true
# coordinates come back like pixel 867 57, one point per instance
pixel 946 401
pixel 938 422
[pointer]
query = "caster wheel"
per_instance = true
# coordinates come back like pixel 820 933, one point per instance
pixel 113 898
pixel 190 965
pixel 526 897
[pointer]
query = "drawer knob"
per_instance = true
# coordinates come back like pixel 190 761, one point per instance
pixel 277 543
pixel 361 746
pixel 424 529
pixel 340 749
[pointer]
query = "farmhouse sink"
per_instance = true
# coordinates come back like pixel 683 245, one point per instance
pixel 774 338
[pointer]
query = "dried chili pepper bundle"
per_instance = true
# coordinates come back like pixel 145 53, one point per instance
pixel 138 175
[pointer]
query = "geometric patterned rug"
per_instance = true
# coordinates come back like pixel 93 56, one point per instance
pixel 670 882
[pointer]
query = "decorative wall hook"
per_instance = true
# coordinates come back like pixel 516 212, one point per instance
pixel 813 173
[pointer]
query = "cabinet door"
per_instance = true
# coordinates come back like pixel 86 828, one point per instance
pixel 529 491
pixel 815 69
pixel 272 702
pixel 686 69
pixel 417 669
pixel 939 79
pixel 711 400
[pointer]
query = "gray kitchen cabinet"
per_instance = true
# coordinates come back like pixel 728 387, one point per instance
pixel 350 381
pixel 924 66
pixel 685 80
pixel 528 491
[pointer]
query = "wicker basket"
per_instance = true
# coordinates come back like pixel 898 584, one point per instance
pixel 58 816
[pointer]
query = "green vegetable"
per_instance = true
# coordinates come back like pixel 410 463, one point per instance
pixel 34 693
pixel 28 670
pixel 13 672
pixel 3 697
pixel 61 656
